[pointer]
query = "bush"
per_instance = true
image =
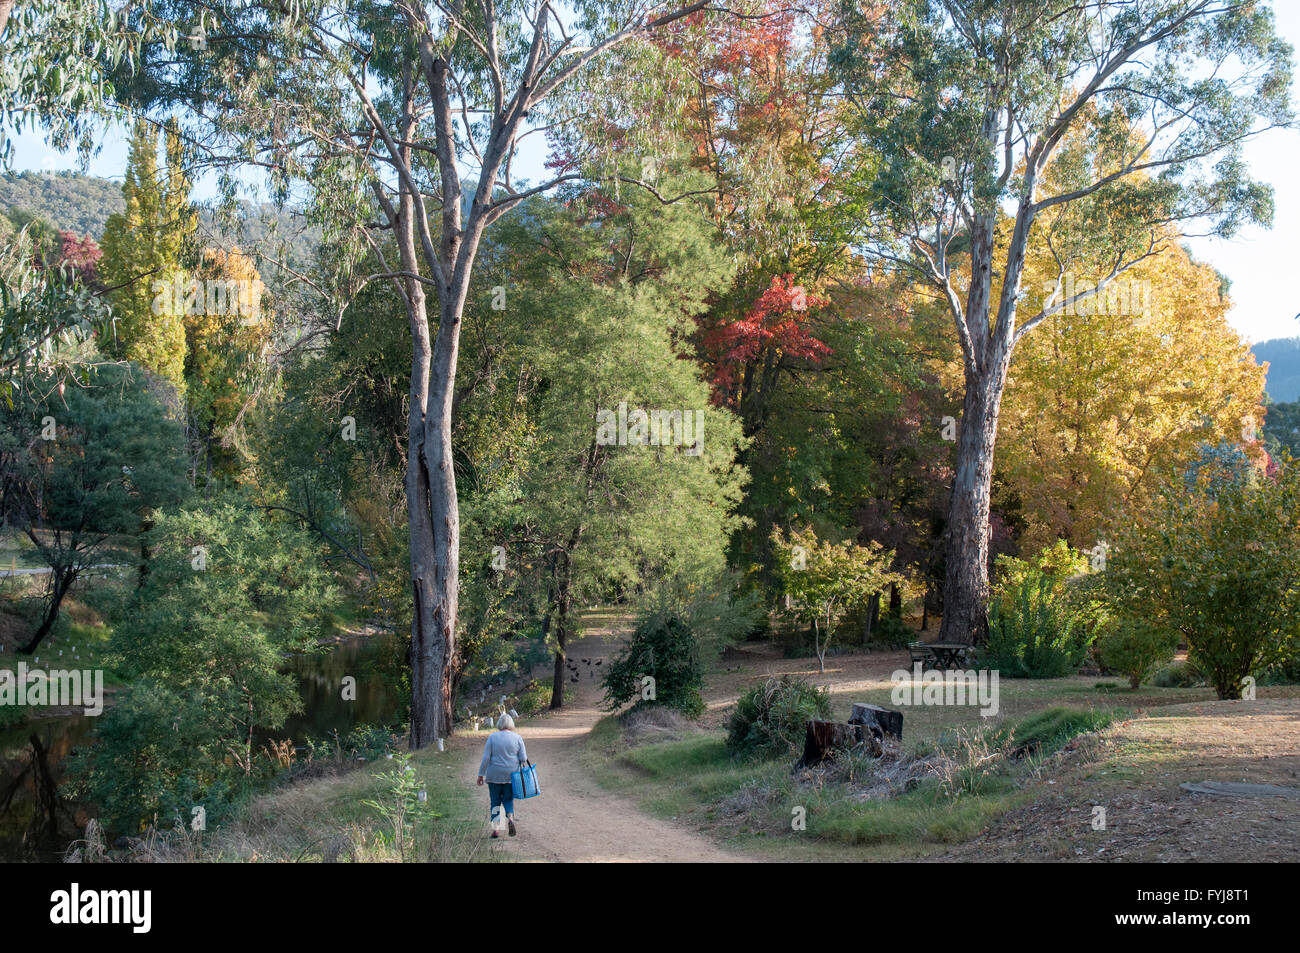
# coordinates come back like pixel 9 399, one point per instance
pixel 1037 629
pixel 1133 647
pixel 1178 675
pixel 1217 560
pixel 891 632
pixel 663 647
pixel 770 719
pixel 533 698
pixel 1049 730
pixel 1285 672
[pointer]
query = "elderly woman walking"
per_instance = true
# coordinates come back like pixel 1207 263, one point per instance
pixel 503 753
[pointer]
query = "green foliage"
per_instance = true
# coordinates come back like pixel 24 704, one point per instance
pixel 1282 423
pixel 115 457
pixel 364 743
pixel 1284 672
pixel 401 806
pixel 891 632
pixel 826 580
pixel 1038 628
pixel 718 612
pixel 1133 647
pixel 597 297
pixel 1047 731
pixel 532 698
pixel 1060 561
pixel 46 312
pixel 116 454
pixel 665 649
pixel 1219 563
pixel 158 754
pixel 204 641
pixel 1178 675
pixel 771 719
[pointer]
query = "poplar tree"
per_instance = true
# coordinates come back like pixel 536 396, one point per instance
pixel 144 248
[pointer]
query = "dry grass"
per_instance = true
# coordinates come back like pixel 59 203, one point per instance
pixel 642 726
pixel 322 820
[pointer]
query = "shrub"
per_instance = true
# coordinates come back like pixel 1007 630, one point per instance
pixel 770 719
pixel 1178 675
pixel 1218 561
pixel 663 647
pixel 1049 730
pixel 1060 561
pixel 1133 647
pixel 1038 629
pixel 1285 672
pixel 891 632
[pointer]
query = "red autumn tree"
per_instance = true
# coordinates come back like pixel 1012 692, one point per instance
pixel 80 255
pixel 748 355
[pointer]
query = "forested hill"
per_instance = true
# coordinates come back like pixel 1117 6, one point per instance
pixel 1283 356
pixel 83 203
pixel 79 203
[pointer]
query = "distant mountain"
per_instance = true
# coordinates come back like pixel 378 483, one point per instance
pixel 79 203
pixel 83 203
pixel 1283 356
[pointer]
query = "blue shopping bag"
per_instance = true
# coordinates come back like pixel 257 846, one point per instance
pixel 524 782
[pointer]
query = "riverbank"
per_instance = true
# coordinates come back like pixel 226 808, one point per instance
pixel 39 817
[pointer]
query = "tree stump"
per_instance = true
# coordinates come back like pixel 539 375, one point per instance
pixel 823 738
pixel 880 721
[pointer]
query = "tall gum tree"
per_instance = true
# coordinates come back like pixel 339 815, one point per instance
pixel 1142 107
pixel 401 117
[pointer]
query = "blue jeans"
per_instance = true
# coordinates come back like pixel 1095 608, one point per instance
pixel 501 796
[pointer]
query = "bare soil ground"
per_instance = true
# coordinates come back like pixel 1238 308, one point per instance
pixel 1134 772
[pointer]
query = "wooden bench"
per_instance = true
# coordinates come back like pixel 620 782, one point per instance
pixel 920 652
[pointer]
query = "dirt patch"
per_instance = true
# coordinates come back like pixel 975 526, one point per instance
pixel 1134 773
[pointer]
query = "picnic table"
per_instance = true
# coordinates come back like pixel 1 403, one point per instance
pixel 941 655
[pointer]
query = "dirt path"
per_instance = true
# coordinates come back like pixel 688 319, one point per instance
pixel 575 819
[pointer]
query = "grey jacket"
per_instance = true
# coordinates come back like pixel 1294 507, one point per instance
pixel 503 752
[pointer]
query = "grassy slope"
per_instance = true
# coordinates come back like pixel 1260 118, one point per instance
pixel 749 804
pixel 325 818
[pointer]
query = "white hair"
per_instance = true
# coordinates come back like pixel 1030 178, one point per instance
pixel 505 722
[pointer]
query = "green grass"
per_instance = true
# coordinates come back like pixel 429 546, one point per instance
pixel 1046 732
pixel 752 803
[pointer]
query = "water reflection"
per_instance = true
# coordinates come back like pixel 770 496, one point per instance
pixel 37 822
pixel 371 661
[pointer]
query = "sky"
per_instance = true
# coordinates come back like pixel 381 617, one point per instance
pixel 1260 263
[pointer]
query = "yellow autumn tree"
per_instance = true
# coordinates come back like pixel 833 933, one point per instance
pixel 1107 395
pixel 144 247
pixel 227 332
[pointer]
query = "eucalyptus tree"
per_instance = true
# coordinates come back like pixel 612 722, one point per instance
pixel 1090 125
pixel 401 117
pixel 57 58
pixel 55 63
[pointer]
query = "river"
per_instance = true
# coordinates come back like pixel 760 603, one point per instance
pixel 37 821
